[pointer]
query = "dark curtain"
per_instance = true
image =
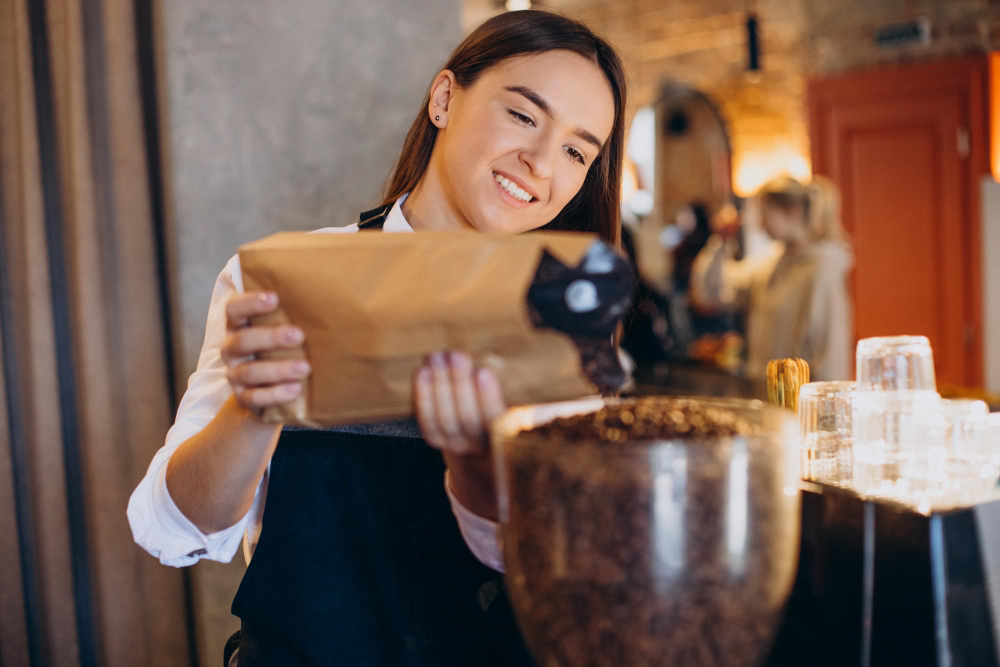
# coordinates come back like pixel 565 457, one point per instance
pixel 85 395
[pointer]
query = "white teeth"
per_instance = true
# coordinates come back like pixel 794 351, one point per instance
pixel 512 188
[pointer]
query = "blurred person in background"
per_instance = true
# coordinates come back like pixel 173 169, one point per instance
pixel 714 336
pixel 694 232
pixel 795 296
pixel 646 336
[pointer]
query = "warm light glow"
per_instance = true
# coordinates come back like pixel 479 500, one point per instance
pixel 514 5
pixel 630 179
pixel 755 168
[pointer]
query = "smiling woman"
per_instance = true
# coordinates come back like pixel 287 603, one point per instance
pixel 514 147
pixel 542 112
pixel 358 557
pixel 513 143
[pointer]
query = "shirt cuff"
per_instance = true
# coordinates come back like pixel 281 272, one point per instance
pixel 191 544
pixel 482 536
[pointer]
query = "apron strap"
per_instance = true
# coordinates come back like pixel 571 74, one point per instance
pixel 375 218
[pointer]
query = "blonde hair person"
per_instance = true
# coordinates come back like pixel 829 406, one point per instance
pixel 795 296
pixel 819 199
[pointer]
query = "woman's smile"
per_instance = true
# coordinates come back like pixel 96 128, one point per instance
pixel 513 190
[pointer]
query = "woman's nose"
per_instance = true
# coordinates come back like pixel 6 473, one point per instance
pixel 539 158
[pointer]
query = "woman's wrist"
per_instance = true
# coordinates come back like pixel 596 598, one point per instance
pixel 472 482
pixel 253 416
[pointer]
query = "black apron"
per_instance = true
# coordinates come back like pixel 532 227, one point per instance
pixel 360 560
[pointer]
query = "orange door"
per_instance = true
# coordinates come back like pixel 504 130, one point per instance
pixel 907 148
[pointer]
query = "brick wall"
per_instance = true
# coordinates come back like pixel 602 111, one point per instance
pixel 703 43
pixel 839 32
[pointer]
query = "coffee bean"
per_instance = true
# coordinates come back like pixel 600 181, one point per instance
pixel 658 419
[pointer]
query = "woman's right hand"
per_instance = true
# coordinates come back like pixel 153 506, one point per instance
pixel 257 383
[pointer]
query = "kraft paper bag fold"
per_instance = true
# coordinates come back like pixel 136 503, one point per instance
pixel 373 305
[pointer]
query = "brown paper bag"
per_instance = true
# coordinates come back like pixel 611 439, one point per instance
pixel 372 306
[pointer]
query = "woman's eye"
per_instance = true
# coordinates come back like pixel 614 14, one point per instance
pixel 520 118
pixel 576 155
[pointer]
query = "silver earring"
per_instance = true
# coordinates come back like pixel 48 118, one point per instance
pixel 437 117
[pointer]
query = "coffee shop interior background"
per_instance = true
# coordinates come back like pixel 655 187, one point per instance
pixel 141 142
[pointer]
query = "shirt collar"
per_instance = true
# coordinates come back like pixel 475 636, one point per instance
pixel 396 221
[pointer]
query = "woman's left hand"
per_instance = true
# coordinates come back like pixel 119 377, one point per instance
pixel 455 403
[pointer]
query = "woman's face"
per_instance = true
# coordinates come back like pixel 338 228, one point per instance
pixel 781 224
pixel 515 146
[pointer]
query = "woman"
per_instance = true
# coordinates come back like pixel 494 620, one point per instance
pixel 359 560
pixel 796 298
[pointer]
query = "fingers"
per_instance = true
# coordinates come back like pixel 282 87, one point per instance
pixel 260 373
pixel 251 340
pixel 423 398
pixel 450 404
pixel 265 383
pixel 491 400
pixel 470 419
pixel 241 307
pixel 445 406
pixel 255 398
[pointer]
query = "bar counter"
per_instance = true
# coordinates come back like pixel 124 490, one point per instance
pixel 878 583
pixel 695 379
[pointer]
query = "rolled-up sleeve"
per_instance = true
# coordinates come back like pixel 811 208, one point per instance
pixel 158 526
pixel 482 536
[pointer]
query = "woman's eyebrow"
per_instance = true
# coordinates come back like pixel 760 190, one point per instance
pixel 539 102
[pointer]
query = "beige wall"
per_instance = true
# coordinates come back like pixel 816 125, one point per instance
pixel 278 116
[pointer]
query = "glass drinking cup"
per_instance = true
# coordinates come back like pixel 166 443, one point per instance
pixel 950 461
pixel 885 434
pixel 825 425
pixel 896 363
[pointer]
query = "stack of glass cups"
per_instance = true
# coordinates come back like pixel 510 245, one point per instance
pixel 949 462
pixel 885 427
pixel 910 445
pixel 825 426
pixel 895 384
pixel 969 462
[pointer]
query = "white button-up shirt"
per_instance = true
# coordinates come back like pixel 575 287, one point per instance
pixel 160 528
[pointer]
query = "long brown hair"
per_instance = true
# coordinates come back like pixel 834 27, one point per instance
pixel 596 207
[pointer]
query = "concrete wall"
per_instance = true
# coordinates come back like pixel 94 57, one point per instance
pixel 278 116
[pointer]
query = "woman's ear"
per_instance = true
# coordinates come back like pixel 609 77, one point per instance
pixel 442 93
